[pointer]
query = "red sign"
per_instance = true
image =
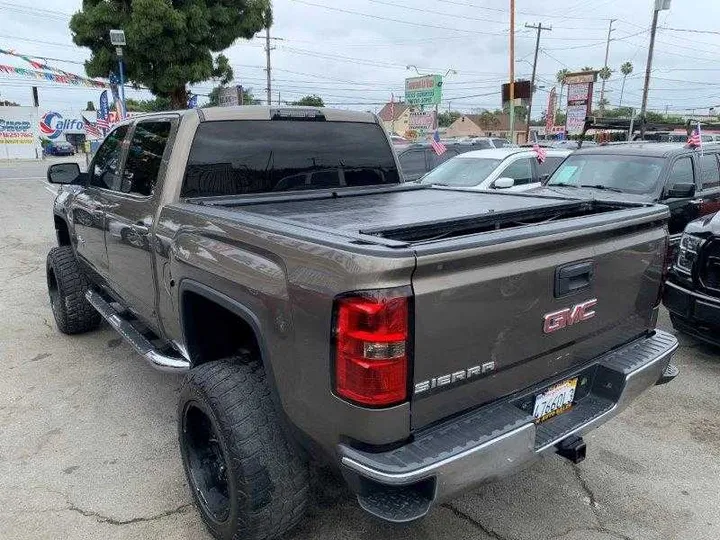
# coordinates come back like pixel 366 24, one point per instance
pixel 550 114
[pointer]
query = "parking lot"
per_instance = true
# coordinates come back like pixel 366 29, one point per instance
pixel 88 446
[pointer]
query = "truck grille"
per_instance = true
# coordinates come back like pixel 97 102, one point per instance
pixel 710 267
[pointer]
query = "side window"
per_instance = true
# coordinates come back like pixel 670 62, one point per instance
pixel 413 162
pixel 436 160
pixel 106 165
pixel 145 154
pixel 681 173
pixel 547 167
pixel 710 177
pixel 520 171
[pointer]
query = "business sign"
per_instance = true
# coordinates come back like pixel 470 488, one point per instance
pixel 521 90
pixel 53 125
pixel 580 78
pixel 18 133
pixel 575 123
pixel 425 90
pixel 230 96
pixel 578 94
pixel 422 120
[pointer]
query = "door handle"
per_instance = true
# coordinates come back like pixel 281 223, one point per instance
pixel 139 228
pixel 697 201
pixel 573 277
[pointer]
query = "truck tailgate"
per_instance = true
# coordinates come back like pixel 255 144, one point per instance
pixel 480 311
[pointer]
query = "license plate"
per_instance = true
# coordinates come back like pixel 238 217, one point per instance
pixel 555 400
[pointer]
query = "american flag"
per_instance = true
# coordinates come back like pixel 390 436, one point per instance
pixel 90 128
pixel 439 147
pixel 102 114
pixel 695 140
pixel 540 151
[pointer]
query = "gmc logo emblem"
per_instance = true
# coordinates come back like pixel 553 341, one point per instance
pixel 557 320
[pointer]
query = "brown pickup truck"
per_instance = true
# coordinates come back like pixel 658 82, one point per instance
pixel 417 340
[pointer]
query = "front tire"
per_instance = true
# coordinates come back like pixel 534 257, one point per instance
pixel 67 287
pixel 247 481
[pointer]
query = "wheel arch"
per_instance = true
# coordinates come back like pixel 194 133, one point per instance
pixel 62 231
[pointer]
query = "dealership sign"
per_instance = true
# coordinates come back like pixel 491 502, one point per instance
pixel 422 120
pixel 52 125
pixel 425 90
pixel 18 133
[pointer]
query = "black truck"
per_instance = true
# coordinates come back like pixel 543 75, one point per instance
pixel 692 291
pixel 417 340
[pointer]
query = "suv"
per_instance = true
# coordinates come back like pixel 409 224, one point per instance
pixel 417 340
pixel 516 169
pixel 687 180
pixel 419 158
pixel 692 291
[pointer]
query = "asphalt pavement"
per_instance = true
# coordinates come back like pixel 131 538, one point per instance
pixel 88 439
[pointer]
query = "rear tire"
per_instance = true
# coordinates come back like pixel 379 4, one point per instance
pixel 246 480
pixel 67 287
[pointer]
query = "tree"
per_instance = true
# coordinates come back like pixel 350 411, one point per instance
pixel 626 69
pixel 148 105
pixel 248 98
pixel 310 101
pixel 169 44
pixel 448 117
pixel 90 106
pixel 605 73
pixel 586 68
pixel 560 78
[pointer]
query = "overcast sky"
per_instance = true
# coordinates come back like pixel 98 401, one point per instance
pixel 331 49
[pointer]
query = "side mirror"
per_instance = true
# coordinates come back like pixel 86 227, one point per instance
pixel 504 183
pixel 681 191
pixel 63 173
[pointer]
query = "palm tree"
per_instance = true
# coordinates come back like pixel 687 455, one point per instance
pixel 604 73
pixel 626 69
pixel 560 77
pixel 587 68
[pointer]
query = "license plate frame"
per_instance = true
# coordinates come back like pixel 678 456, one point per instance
pixel 555 400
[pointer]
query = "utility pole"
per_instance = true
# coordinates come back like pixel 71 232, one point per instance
pixel 607 52
pixel 659 6
pixel 512 71
pixel 539 27
pixel 268 68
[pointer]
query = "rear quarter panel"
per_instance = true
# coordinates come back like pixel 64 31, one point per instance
pixel 288 284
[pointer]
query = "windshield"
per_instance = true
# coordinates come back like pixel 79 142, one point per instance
pixel 237 157
pixel 461 172
pixel 629 174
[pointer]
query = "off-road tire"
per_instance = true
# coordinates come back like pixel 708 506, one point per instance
pixel 267 481
pixel 67 286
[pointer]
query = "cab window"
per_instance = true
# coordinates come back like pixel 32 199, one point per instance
pixel 710 177
pixel 145 156
pixel 681 172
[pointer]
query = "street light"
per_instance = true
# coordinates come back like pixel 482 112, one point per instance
pixel 117 38
pixel 660 5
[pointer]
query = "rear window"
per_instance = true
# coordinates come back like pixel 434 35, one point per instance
pixel 239 157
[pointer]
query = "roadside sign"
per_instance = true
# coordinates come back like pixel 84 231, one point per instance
pixel 425 90
pixel 550 113
pixel 582 77
pixel 117 38
pixel 575 122
pixel 230 96
pixel 422 120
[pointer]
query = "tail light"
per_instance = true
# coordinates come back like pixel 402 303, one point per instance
pixel 371 331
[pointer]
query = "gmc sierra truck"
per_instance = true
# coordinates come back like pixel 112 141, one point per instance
pixel 417 340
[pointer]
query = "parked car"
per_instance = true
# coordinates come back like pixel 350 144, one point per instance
pixel 685 179
pixel 417 340
pixel 419 158
pixel 482 143
pixel 692 291
pixel 515 169
pixel 60 148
